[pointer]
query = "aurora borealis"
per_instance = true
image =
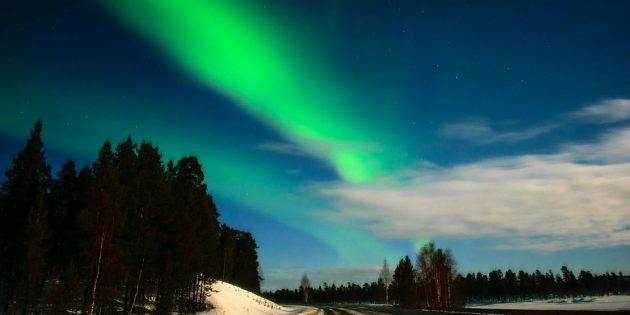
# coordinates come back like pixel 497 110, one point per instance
pixel 271 75
pixel 341 132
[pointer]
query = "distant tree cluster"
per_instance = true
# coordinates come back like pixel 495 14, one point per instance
pixel 431 283
pixel 521 285
pixel 126 233
pixel 435 283
pixel 432 280
pixel 348 293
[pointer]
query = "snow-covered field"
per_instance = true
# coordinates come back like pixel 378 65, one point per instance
pixel 232 300
pixel 603 303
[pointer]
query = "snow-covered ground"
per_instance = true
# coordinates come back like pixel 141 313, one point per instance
pixel 603 303
pixel 228 299
pixel 232 300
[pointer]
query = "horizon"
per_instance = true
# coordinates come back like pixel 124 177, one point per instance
pixel 340 134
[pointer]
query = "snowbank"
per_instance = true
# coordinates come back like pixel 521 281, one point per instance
pixel 232 300
pixel 603 303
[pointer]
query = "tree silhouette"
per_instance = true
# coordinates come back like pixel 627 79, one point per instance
pixel 105 213
pixel 23 224
pixel 385 277
pixel 305 284
pixel 404 283
pixel 436 270
pixel 124 233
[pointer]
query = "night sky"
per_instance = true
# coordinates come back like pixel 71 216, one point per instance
pixel 344 132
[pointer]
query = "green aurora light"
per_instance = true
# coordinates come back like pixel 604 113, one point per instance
pixel 232 175
pixel 271 73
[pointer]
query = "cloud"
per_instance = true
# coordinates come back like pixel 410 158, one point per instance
pixel 574 198
pixel 483 133
pixel 607 111
pixel 480 132
pixel 282 148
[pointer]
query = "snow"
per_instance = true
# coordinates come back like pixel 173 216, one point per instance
pixel 229 299
pixel 603 303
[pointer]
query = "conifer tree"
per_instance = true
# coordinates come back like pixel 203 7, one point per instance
pixel 227 249
pixel 23 224
pixel 247 274
pixel 150 199
pixel 65 241
pixel 105 216
pixel 403 284
pixel 63 208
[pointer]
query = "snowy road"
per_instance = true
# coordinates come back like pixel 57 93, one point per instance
pixel 349 310
pixel 353 311
pixel 367 310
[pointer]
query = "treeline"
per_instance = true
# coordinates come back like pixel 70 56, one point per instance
pixel 430 283
pixel 521 285
pixel 127 233
pixel 348 293
pixel 434 282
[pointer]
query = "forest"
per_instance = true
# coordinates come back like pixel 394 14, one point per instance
pixel 127 233
pixel 433 282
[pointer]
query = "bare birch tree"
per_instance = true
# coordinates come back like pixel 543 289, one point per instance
pixel 305 284
pixel 436 269
pixel 386 277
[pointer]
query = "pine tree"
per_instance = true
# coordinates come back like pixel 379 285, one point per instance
pixel 23 223
pixel 509 283
pixel 238 259
pixel 150 200
pixel 403 283
pixel 495 283
pixel 247 267
pixel 227 249
pixel 65 242
pixel 125 161
pixel 190 238
pixel 62 212
pixel 105 216
pixel 569 281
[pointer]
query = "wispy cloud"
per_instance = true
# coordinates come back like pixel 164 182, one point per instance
pixel 483 133
pixel 281 147
pixel 576 197
pixel 607 111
